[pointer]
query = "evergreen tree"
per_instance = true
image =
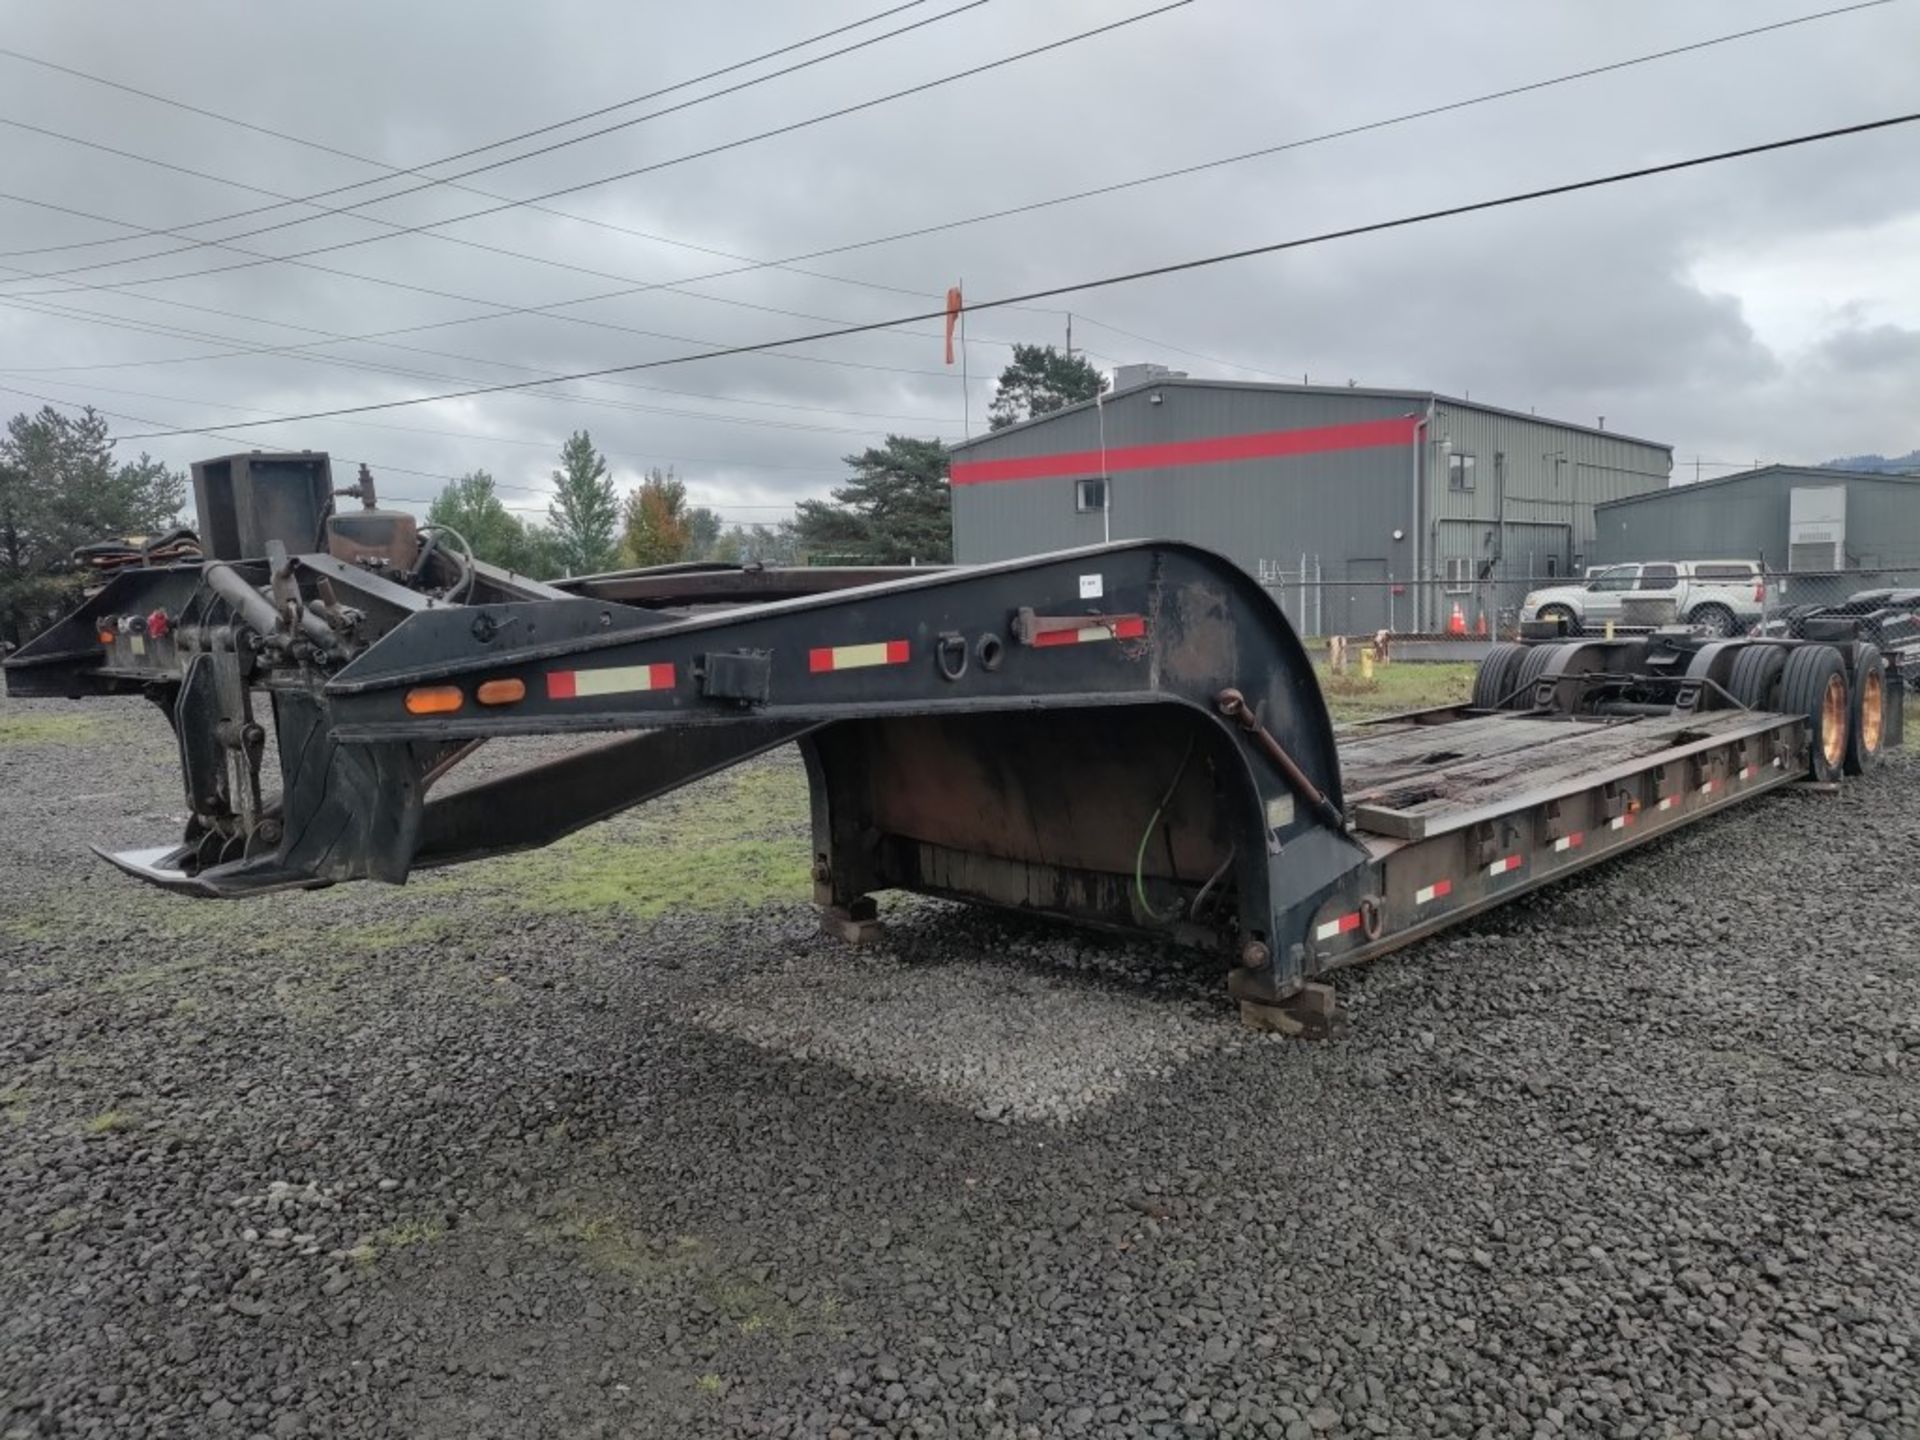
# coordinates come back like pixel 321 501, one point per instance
pixel 895 509
pixel 61 488
pixel 1041 380
pixel 585 511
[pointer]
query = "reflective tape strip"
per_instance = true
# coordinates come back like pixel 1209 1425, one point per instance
pixel 1338 927
pixel 1501 867
pixel 857 657
pixel 1620 822
pixel 1124 627
pixel 1747 772
pixel 1427 894
pixel 1709 787
pixel 1666 803
pixel 611 680
pixel 1570 842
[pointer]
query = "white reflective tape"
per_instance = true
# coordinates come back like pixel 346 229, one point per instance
pixel 1427 894
pixel 1666 803
pixel 1501 867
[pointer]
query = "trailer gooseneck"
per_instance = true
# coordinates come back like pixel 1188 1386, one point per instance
pixel 1129 736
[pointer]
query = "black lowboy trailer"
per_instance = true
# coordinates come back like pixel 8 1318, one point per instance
pixel 1129 736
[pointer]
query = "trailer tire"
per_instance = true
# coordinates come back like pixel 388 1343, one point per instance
pixel 1814 684
pixel 1532 667
pixel 1867 722
pixel 1496 675
pixel 1755 680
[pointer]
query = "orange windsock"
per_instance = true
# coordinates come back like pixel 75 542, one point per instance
pixel 954 303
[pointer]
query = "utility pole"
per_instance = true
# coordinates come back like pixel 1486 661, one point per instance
pixel 1069 334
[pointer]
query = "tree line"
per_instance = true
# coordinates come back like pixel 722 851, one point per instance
pixel 60 488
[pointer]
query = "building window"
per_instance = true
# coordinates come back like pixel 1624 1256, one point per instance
pixel 1460 576
pixel 1459 471
pixel 1089 495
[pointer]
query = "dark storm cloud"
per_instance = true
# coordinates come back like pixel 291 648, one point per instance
pixel 1580 307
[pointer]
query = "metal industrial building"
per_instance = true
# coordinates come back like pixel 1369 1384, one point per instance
pixel 1363 508
pixel 1790 517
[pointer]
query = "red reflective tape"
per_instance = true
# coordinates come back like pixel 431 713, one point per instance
pixel 1342 926
pixel 608 680
pixel 828 658
pixel 1427 894
pixel 1220 449
pixel 1123 627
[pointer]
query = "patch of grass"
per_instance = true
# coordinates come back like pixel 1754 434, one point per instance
pixel 710 1384
pixel 1398 685
pixel 409 1233
pixel 48 729
pixel 692 855
pixel 160 974
pixel 108 1120
pixel 393 934
pixel 13 1103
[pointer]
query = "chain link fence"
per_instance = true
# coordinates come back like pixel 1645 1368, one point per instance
pixel 1321 601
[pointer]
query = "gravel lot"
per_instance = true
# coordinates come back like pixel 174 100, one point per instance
pixel 518 1152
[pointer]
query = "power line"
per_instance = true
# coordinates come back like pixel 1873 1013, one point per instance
pixel 300 353
pixel 383 466
pixel 547 311
pixel 711 150
pixel 420 170
pixel 1134 276
pixel 787 262
pixel 222 242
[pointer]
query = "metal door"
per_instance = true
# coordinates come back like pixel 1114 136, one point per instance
pixel 1363 605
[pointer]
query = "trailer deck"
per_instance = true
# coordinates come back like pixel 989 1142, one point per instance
pixel 1128 736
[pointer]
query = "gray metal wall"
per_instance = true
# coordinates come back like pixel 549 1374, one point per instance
pixel 1337 509
pixel 1543 479
pixel 1745 517
pixel 1262 514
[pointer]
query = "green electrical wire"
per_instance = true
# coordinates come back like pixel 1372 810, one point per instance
pixel 1140 855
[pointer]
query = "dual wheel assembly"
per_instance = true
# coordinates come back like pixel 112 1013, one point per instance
pixel 1841 689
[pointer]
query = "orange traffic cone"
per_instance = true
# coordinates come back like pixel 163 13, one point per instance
pixel 1480 625
pixel 1458 624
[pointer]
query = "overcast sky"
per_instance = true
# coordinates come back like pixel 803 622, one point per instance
pixel 1766 308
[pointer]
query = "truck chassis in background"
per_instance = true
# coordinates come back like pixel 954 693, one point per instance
pixel 1129 736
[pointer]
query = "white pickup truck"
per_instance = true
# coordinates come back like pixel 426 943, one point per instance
pixel 1722 597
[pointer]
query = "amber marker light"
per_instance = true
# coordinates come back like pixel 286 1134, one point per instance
pixel 501 692
pixel 435 700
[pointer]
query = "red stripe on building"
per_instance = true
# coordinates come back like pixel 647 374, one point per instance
pixel 1219 449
